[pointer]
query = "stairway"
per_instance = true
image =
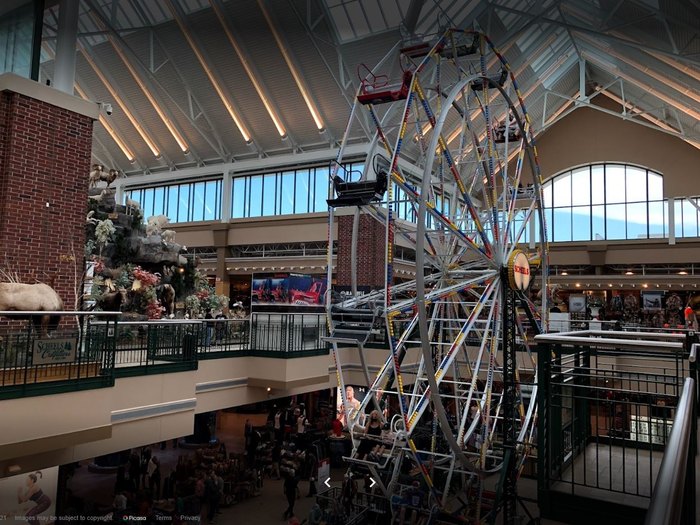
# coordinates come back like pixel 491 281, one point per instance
pixel 351 325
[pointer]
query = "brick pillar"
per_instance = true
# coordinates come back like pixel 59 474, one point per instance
pixel 44 158
pixel 371 253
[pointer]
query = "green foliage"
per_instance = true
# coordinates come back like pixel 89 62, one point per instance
pixel 90 247
pixel 104 231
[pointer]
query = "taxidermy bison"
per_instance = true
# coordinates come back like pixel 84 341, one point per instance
pixel 37 297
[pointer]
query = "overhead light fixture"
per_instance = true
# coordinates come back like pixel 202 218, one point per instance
pixel 578 285
pixel 175 10
pixel 292 69
pixel 565 273
pixel 252 75
pixel 610 285
pixel 629 273
pixel 108 127
pixel 118 100
pixel 682 272
pixel 645 285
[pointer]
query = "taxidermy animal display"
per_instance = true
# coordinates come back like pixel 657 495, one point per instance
pixel 98 173
pixel 155 224
pixel 37 297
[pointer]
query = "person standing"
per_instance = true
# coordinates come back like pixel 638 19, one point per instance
pixel 208 328
pixel 278 425
pixel 213 495
pixel 153 472
pixel 291 488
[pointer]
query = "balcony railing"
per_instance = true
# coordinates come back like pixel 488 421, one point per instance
pixel 89 349
pixel 74 355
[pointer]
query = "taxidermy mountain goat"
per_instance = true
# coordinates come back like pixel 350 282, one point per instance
pixel 37 297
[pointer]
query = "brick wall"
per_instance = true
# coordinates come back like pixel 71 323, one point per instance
pixel 44 157
pixel 371 252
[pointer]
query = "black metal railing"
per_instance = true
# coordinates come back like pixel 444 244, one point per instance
pixel 673 500
pixel 54 352
pixel 145 347
pixel 98 347
pixel 606 404
pixel 290 334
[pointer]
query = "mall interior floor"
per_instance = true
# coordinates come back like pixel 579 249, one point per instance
pixel 267 508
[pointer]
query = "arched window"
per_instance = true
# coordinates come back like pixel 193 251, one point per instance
pixel 607 202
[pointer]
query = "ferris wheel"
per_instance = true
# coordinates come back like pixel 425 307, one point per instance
pixel 452 173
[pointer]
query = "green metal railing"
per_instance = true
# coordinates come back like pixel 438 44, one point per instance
pixel 95 347
pixel 39 358
pixel 606 406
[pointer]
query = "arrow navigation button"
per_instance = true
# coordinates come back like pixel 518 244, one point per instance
pixel 373 482
pixel 326 483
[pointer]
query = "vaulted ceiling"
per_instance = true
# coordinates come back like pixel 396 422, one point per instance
pixel 203 82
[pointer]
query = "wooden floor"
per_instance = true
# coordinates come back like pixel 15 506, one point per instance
pixel 47 373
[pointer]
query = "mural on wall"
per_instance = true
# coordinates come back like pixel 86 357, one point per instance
pixel 29 497
pixel 288 289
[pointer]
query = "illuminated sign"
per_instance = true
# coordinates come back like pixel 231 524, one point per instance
pixel 519 270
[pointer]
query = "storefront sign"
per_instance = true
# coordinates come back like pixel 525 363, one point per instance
pixel 52 351
pixel 519 270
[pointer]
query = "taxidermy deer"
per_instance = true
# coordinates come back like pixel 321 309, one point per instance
pixel 39 297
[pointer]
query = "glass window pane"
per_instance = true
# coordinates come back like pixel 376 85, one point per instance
pixel 581 221
pixel 256 196
pixel 184 204
pixel 597 184
pixel 147 202
pixel 321 189
pixel 690 219
pixel 172 204
pixel 198 202
pixel 158 201
pixel 562 190
pixel 656 187
pixel 287 193
pixel 637 220
pixel 547 194
pixel 562 223
pixel 615 221
pixel 656 219
pixel 598 223
pixel 210 197
pixel 301 194
pixel 614 183
pixel 238 200
pixel 269 194
pixel 581 186
pixel 636 181
pixel 678 218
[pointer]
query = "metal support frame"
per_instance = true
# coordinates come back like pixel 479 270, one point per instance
pixel 509 476
pixel 64 68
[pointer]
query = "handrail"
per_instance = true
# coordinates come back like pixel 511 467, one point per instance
pixel 667 500
pixel 17 313
pixel 693 352
pixel 634 344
